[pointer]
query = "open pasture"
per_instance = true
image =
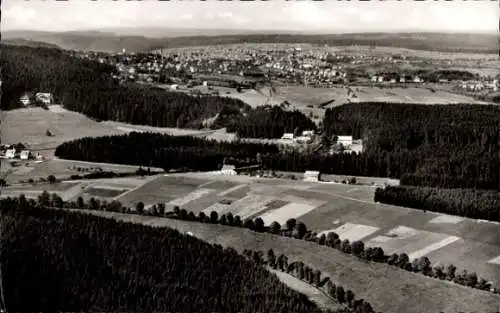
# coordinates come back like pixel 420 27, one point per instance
pixel 388 289
pixel 29 126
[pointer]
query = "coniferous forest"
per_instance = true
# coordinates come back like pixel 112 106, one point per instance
pixel 270 122
pixel 448 146
pixel 167 152
pixel 472 203
pixel 74 262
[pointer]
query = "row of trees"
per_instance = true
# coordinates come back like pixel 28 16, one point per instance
pixel 444 146
pixel 299 230
pixel 312 277
pixel 73 262
pixel 472 203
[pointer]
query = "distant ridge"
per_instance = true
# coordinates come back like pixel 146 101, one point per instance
pixel 144 39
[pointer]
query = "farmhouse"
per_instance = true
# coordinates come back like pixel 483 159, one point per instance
pixel 25 99
pixel 345 141
pixel 10 154
pixel 287 136
pixel 228 170
pixel 308 133
pixel 25 154
pixel 303 139
pixel 311 176
pixel 44 97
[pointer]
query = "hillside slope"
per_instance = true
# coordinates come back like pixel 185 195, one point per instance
pixel 387 289
pixel 72 262
pixel 108 42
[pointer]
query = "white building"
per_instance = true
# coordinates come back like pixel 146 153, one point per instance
pixel 345 141
pixel 311 176
pixel 10 154
pixel 228 170
pixel 287 136
pixel 308 133
pixel 303 139
pixel 25 99
pixel 25 154
pixel 44 97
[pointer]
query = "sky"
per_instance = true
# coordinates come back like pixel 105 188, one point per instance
pixel 299 15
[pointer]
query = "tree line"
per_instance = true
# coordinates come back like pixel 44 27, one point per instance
pixel 313 277
pixel 444 146
pixel 292 228
pixel 67 261
pixel 471 203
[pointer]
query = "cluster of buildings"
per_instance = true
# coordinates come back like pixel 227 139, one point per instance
pixel 29 98
pixel 10 152
pixel 304 138
pixel 476 85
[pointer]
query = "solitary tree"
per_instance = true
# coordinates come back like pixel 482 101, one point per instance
pixel 230 219
pixel 202 217
pixel 249 224
pixel 139 207
pixel 349 296
pixel 357 247
pixel 214 217
pixel 450 271
pixel 290 224
pixel 161 208
pixel 259 225
pixel 322 239
pixel 340 294
pixel 80 203
pixel 275 228
pixel 223 219
pixel 300 230
pixel 237 221
pixel 51 179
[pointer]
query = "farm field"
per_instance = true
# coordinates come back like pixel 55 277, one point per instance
pixel 61 168
pixel 348 210
pixel 301 96
pixel 388 289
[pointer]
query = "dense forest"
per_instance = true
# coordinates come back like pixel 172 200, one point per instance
pixel 164 151
pixel 445 146
pixel 472 203
pixel 270 122
pixel 74 262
